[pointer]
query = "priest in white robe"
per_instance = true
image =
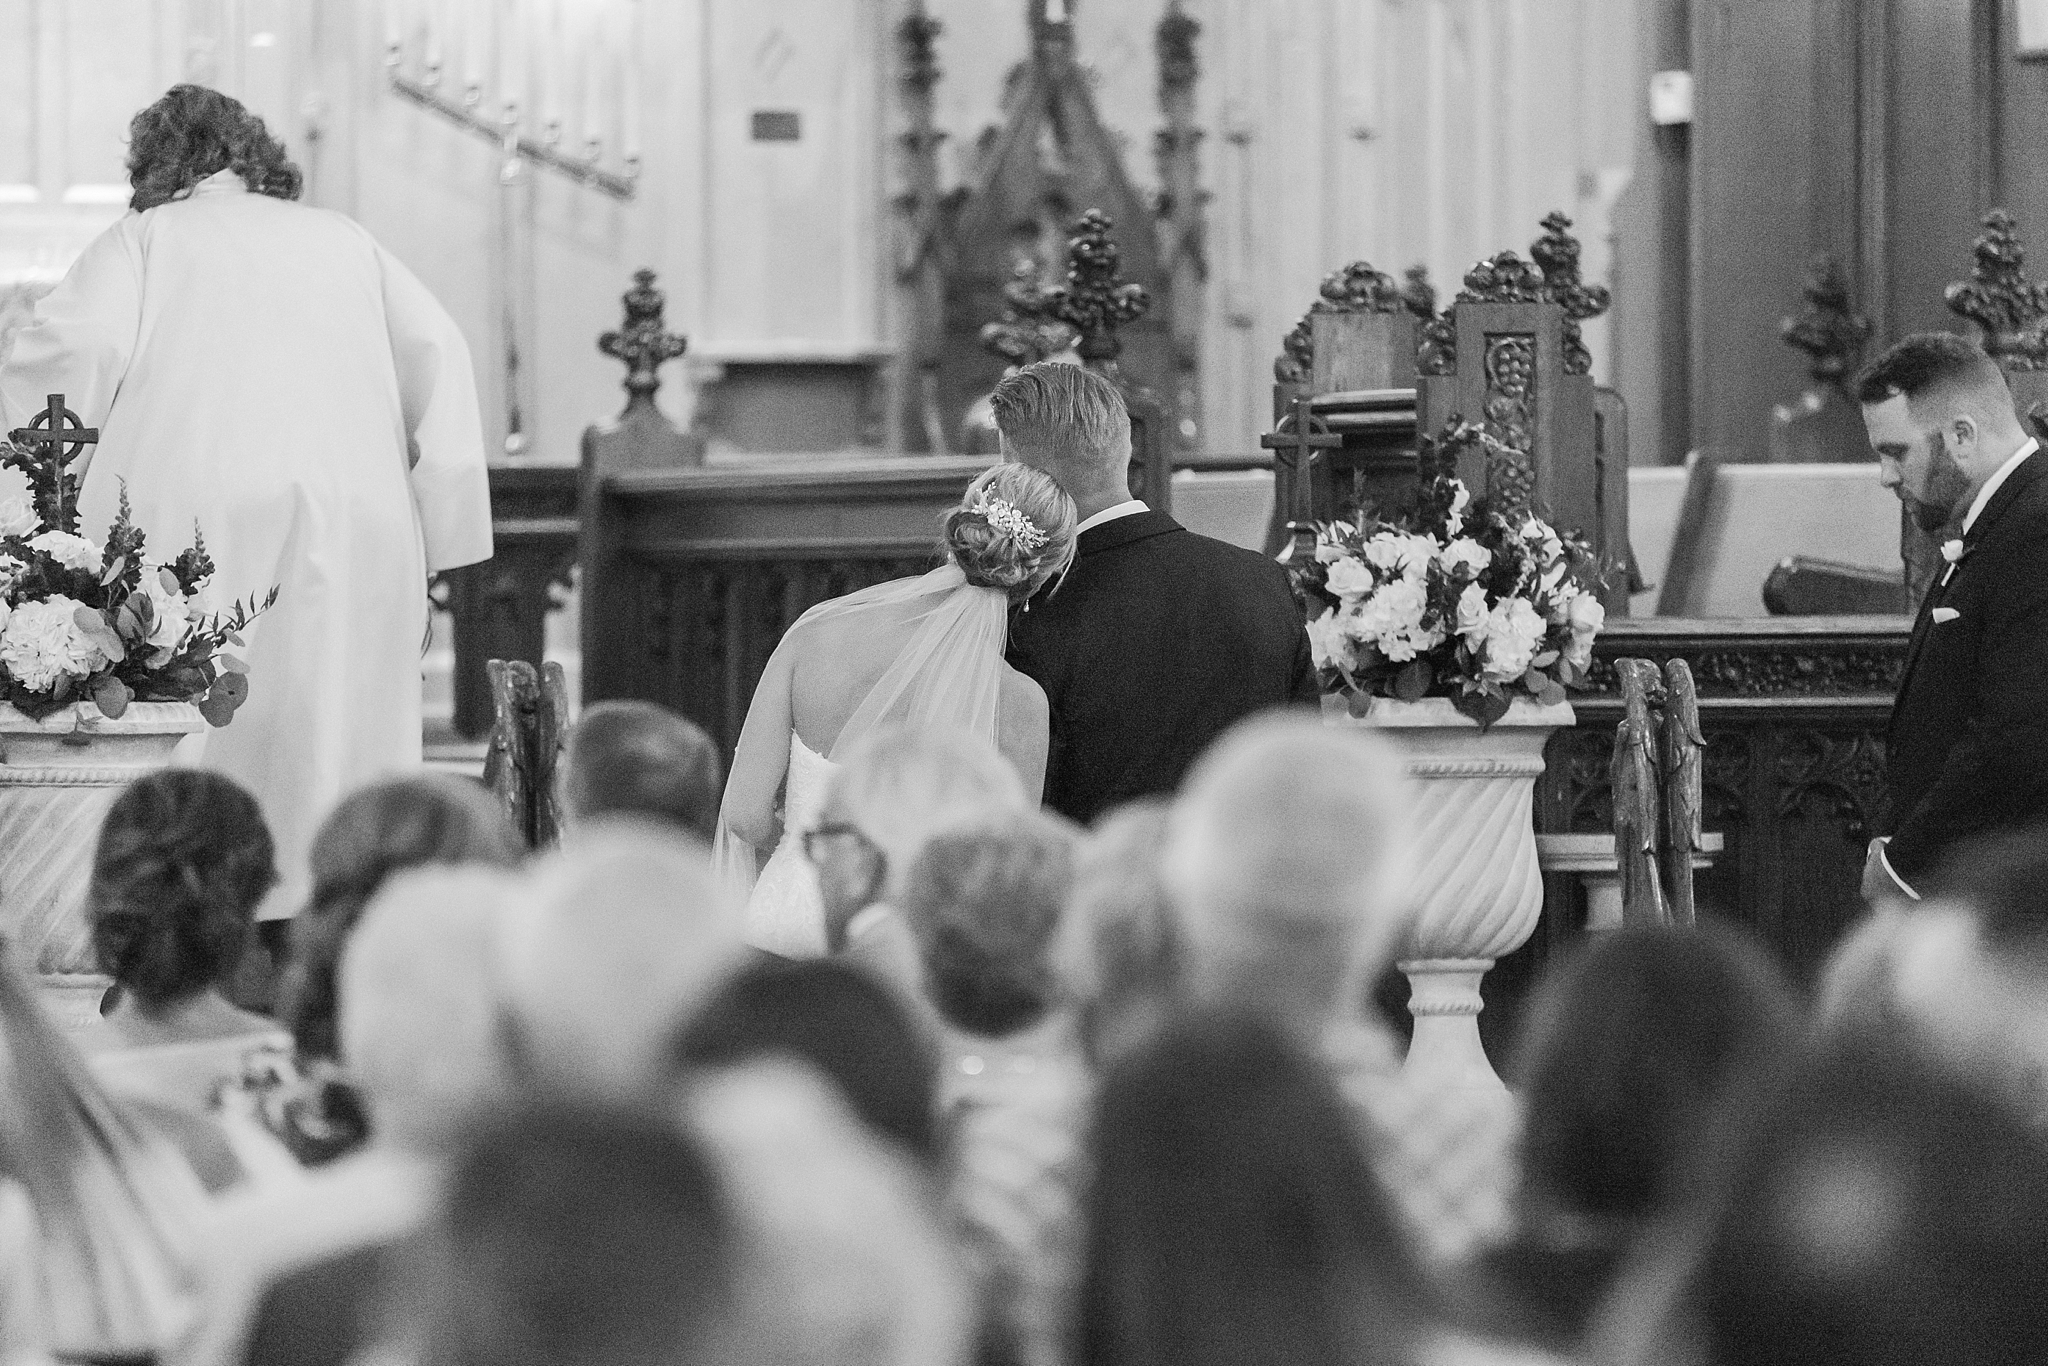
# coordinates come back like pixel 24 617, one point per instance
pixel 267 372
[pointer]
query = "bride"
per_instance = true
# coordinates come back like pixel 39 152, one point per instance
pixel 923 651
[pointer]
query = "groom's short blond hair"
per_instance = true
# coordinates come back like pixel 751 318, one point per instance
pixel 1065 420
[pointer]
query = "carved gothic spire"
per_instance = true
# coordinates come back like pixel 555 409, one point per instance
pixel 2007 307
pixel 1830 330
pixel 917 44
pixel 1175 41
pixel 1556 253
pixel 1052 26
pixel 1095 301
pixel 1025 334
pixel 643 343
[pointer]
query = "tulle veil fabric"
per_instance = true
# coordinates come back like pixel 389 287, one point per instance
pixel 949 673
pixel 116 1207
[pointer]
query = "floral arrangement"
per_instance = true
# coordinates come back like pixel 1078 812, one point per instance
pixel 1475 602
pixel 105 624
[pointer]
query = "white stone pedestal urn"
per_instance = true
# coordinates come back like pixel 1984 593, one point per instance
pixel 57 778
pixel 1477 885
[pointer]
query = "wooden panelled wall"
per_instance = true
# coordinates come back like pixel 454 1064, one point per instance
pixel 1876 130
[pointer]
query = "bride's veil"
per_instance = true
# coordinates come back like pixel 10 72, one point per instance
pixel 949 672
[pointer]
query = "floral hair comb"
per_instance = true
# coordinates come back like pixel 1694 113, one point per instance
pixel 1006 517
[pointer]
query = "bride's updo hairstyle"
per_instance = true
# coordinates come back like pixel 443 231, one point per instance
pixel 1014 530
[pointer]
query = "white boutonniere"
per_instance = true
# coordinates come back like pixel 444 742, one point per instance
pixel 1952 551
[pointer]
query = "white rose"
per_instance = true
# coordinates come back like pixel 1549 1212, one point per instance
pixel 1329 644
pixel 1513 631
pixel 1471 619
pixel 170 618
pixel 41 643
pixel 1465 555
pixel 1330 544
pixel 73 552
pixel 1349 579
pixel 1537 533
pixel 1587 617
pixel 17 503
pixel 1392 620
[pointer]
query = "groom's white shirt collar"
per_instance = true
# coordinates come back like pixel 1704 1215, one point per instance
pixel 1125 509
pixel 1991 485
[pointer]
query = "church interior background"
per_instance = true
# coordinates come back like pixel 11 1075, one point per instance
pixel 830 194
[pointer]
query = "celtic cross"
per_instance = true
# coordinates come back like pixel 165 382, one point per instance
pixel 1294 445
pixel 58 431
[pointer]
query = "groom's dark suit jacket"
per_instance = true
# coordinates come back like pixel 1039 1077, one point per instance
pixel 1157 642
pixel 1968 745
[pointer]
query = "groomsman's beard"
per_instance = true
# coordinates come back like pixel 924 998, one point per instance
pixel 1948 489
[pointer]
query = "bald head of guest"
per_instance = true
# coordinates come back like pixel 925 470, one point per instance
pixel 1072 424
pixel 1941 421
pixel 641 759
pixel 1287 856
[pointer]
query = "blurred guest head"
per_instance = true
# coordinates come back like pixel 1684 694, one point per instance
pixel 419 1015
pixel 581 1238
pixel 613 946
pixel 1287 853
pixel 426 818
pixel 1121 944
pixel 1882 1211
pixel 892 791
pixel 192 132
pixel 183 860
pixel 1633 1052
pixel 844 1261
pixel 1234 1217
pixel 984 900
pixel 832 1017
pixel 1962 975
pixel 641 759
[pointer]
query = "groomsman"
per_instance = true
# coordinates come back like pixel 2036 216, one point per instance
pixel 1967 750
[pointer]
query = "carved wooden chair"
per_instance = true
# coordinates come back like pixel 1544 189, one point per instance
pixel 528 730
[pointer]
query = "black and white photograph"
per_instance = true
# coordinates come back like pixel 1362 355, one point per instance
pixel 1023 682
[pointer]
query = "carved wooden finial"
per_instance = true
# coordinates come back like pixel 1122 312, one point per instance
pixel 1830 330
pixel 1358 288
pixel 1297 353
pixel 2006 306
pixel 1174 40
pixel 643 344
pixel 1418 295
pixel 1025 335
pixel 1094 300
pixel 1556 253
pixel 916 42
pixel 1052 25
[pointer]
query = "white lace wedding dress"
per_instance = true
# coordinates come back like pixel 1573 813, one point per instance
pixel 948 672
pixel 786 912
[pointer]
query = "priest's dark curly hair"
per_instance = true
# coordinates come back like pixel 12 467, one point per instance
pixel 183 859
pixel 193 132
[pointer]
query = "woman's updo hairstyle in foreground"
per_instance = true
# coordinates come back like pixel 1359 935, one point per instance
pixel 183 859
pixel 1014 530
pixel 192 132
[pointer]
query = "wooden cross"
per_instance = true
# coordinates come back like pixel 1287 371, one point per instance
pixel 58 430
pixel 1300 435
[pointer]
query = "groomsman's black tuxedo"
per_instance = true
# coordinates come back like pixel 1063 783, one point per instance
pixel 1157 642
pixel 1968 745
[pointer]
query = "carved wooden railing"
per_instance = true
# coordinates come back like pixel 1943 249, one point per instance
pixel 1794 714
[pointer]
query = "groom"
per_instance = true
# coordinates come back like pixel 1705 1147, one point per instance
pixel 1158 640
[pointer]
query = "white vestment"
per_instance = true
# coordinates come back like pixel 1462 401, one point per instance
pixel 265 371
